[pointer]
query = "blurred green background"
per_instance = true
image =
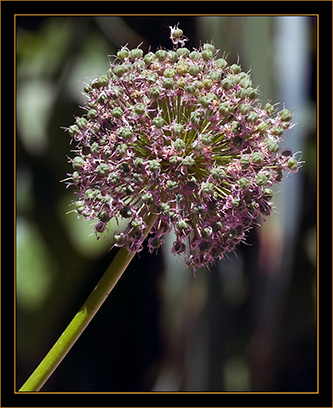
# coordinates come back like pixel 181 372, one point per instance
pixel 249 324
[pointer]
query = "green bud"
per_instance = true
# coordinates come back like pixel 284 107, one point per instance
pixel 236 127
pixel 204 101
pixel 215 75
pixel 122 149
pixel 208 83
pixel 181 82
pixel 114 178
pixel 183 52
pixel 164 208
pixel 139 109
pixel 136 224
pixel 154 92
pixel 209 47
pixel 245 160
pixel 194 70
pixel 173 56
pixel 82 123
pixel 104 216
pixel 218 173
pixel 161 55
pixel 224 108
pixel 190 88
pixel 195 56
pixel 221 62
pixel 149 58
pixel 227 83
pixel 236 69
pixel 252 93
pixel 207 54
pixel 103 80
pixel 136 53
pixel 80 207
pixel 122 54
pixel 269 108
pixel 90 194
pixel 252 117
pixel 171 185
pixel 158 121
pixel 92 114
pixel 196 117
pixel 261 179
pixel 268 194
pixel 272 146
pixel 292 163
pixel 245 83
pixel 125 133
pixel 94 148
pixel 179 144
pixel 78 163
pixel 138 65
pixel 168 83
pixel 169 73
pixel 277 130
pixel 241 93
pixel 188 161
pixel 73 130
pixel 177 33
pixel 285 115
pixel 103 170
pixel 147 198
pixel 244 183
pixel 174 160
pixel 119 70
pixel 257 157
pixel 262 126
pixel 208 188
pixel 206 140
pixel 76 176
pixel 245 109
pixel 117 112
pixel 177 129
pixel 154 165
pixel 182 225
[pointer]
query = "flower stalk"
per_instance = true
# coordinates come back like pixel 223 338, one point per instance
pixel 81 320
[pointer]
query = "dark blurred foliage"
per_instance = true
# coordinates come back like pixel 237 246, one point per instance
pixel 249 324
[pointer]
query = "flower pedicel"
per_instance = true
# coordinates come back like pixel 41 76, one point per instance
pixel 182 135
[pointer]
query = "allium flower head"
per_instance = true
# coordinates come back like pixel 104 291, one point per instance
pixel 182 135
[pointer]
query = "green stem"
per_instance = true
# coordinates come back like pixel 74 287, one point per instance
pixel 81 320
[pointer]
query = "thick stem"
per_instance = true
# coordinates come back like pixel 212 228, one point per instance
pixel 81 320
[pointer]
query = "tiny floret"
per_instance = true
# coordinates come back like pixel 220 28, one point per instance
pixel 182 135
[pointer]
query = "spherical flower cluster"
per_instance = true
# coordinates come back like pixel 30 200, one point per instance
pixel 182 135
